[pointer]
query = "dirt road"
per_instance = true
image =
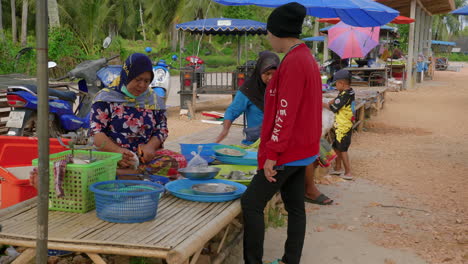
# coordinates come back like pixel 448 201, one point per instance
pixel 409 203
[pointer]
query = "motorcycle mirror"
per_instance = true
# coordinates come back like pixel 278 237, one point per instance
pixel 107 42
pixel 51 64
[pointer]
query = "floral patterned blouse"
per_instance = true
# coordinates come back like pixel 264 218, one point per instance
pixel 128 126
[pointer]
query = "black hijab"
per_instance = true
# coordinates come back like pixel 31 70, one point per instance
pixel 254 87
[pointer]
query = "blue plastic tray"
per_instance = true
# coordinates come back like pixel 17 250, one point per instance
pixel 249 159
pixel 183 190
pixel 207 151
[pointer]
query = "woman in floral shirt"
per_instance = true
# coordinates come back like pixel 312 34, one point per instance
pixel 129 118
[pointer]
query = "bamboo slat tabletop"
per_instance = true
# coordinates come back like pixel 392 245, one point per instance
pixel 177 221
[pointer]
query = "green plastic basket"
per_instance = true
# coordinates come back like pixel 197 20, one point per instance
pixel 78 198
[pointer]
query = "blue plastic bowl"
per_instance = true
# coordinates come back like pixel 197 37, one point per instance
pixel 123 201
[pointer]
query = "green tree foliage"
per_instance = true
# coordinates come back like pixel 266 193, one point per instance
pixel 88 20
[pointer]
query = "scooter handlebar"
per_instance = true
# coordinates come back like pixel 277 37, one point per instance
pixel 114 57
pixel 61 78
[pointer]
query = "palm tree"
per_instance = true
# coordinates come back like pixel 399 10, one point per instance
pixel 448 25
pixel 93 16
pixel 13 21
pixel 24 23
pixel 53 9
pixel 2 35
pixel 124 18
pixel 177 11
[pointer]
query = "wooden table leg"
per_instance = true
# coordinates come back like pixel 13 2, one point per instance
pixel 361 119
pixel 196 256
pixel 96 258
pixel 26 257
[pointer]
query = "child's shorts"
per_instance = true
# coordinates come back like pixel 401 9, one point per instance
pixel 344 144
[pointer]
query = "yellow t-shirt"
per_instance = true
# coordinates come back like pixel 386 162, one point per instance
pixel 344 108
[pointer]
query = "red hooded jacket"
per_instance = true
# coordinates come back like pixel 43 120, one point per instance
pixel 292 122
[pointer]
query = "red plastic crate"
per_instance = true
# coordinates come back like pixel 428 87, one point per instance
pixel 19 152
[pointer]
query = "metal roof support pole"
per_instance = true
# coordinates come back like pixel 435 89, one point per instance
pixel 43 131
pixel 325 49
pixel 409 63
pixel 316 33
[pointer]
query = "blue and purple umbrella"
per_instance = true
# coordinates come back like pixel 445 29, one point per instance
pixel 352 42
pixel 358 13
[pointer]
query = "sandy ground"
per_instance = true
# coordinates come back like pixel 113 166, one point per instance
pixel 409 203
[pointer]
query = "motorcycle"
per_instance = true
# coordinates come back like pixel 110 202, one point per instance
pixel 23 100
pixel 161 83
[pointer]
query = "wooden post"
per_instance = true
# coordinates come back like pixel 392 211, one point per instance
pixel 316 33
pixel 96 258
pixel 409 62
pixel 325 49
pixel 361 118
pixel 193 109
pixel 26 257
pixel 417 31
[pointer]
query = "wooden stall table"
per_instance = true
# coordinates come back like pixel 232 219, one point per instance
pixel 369 100
pixel 178 234
pixel 367 74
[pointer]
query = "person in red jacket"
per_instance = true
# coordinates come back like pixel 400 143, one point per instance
pixel 290 137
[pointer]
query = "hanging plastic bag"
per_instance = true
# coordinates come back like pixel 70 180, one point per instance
pixel 197 160
pixel 327 154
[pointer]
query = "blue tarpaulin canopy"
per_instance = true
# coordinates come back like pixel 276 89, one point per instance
pixel 223 26
pixel 461 11
pixel 445 43
pixel 384 27
pixel 317 38
pixel 358 13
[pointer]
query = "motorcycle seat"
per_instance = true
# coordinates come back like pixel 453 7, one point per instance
pixel 63 95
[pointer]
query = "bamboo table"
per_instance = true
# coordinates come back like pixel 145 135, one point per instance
pixel 179 232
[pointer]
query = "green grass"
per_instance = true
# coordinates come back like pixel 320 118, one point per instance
pixel 275 218
pixel 458 57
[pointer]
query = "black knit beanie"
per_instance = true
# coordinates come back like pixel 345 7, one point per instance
pixel 286 20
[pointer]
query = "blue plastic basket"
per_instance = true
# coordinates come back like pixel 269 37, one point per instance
pixel 207 151
pixel 183 190
pixel 123 201
pixel 153 178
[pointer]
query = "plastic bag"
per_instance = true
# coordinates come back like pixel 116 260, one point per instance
pixel 327 154
pixel 197 160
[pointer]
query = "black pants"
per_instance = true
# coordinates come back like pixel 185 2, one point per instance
pixel 290 182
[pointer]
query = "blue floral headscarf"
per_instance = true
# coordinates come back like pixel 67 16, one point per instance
pixel 134 65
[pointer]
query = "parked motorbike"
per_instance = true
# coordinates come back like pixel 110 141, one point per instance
pixel 63 118
pixel 161 83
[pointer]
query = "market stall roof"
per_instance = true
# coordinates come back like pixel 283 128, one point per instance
pixel 445 43
pixel 223 26
pixel 434 7
pixel 317 38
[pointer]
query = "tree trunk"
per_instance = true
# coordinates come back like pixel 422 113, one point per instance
pixel 54 19
pixel 142 23
pixel 2 35
pixel 24 23
pixel 13 21
pixel 174 37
